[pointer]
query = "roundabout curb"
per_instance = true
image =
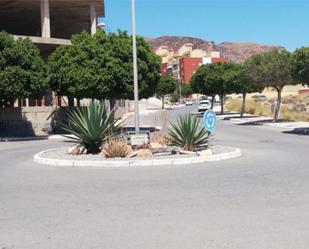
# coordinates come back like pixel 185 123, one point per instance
pixel 38 158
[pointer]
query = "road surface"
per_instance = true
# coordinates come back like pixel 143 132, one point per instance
pixel 258 201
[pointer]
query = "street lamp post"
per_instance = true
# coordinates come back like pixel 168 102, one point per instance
pixel 136 109
pixel 180 91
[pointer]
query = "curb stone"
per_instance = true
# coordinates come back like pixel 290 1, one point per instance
pixel 39 158
pixel 21 139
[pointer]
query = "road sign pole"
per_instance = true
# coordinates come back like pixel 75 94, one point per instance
pixel 136 107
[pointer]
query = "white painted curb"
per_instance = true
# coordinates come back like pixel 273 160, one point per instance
pixel 38 158
pixel 22 139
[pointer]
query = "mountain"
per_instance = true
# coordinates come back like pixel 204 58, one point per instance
pixel 233 51
pixel 239 51
pixel 175 42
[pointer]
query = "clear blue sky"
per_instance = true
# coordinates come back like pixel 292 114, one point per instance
pixel 277 22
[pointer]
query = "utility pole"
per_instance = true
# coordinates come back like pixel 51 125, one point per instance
pixel 180 93
pixel 136 108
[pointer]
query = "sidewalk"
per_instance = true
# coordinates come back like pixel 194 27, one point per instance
pixel 297 127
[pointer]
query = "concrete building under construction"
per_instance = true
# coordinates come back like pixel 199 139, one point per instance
pixel 49 23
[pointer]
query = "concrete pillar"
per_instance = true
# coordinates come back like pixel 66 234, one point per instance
pixel 93 17
pixel 45 19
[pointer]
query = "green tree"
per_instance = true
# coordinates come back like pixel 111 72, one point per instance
pixel 215 79
pixel 271 69
pixel 203 81
pixel 300 65
pixel 22 70
pixel 186 90
pixel 166 85
pixel 100 67
pixel 243 85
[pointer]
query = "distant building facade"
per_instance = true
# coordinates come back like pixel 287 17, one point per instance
pixel 183 64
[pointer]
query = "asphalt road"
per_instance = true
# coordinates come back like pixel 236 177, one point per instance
pixel 260 200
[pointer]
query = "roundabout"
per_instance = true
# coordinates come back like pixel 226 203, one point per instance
pixel 59 158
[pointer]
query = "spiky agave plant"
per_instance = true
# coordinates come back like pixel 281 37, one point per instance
pixel 91 125
pixel 188 133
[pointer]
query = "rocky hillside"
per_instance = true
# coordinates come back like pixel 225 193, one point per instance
pixel 234 51
pixel 239 51
pixel 175 42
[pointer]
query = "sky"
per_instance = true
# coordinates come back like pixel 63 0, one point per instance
pixel 274 22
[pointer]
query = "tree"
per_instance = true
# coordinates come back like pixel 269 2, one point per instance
pixel 100 66
pixel 202 81
pixel 213 79
pixel 22 70
pixel 182 89
pixel 300 65
pixel 166 85
pixel 243 85
pixel 186 90
pixel 271 69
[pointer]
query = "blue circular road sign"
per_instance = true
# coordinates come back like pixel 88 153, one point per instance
pixel 210 120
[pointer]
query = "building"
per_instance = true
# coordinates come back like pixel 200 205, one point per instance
pixel 182 64
pixel 49 23
pixel 187 67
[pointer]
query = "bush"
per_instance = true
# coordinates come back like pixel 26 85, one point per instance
pixel 116 148
pixel 189 134
pixel 91 125
pixel 158 137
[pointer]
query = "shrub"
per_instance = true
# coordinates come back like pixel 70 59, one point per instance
pixel 91 125
pixel 116 148
pixel 158 137
pixel 188 133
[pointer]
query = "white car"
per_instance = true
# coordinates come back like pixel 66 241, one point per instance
pixel 204 105
pixel 189 103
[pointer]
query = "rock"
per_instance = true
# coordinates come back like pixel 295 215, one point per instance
pixel 205 153
pixel 133 154
pixel 156 146
pixel 186 152
pixel 74 150
pixel 82 150
pixel 77 149
pixel 142 153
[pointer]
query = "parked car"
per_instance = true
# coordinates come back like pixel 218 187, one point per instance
pixel 203 97
pixel 189 103
pixel 259 97
pixel 204 105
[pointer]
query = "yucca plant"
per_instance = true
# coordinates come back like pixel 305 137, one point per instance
pixel 91 125
pixel 188 133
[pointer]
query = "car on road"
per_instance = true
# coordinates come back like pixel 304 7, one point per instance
pixel 189 103
pixel 259 97
pixel 204 105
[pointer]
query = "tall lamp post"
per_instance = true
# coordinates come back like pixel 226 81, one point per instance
pixel 136 109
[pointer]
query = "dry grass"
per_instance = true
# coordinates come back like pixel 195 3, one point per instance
pixel 252 107
pixel 293 108
pixel 159 137
pixel 116 147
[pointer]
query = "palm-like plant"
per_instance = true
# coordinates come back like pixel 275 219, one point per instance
pixel 91 125
pixel 188 133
